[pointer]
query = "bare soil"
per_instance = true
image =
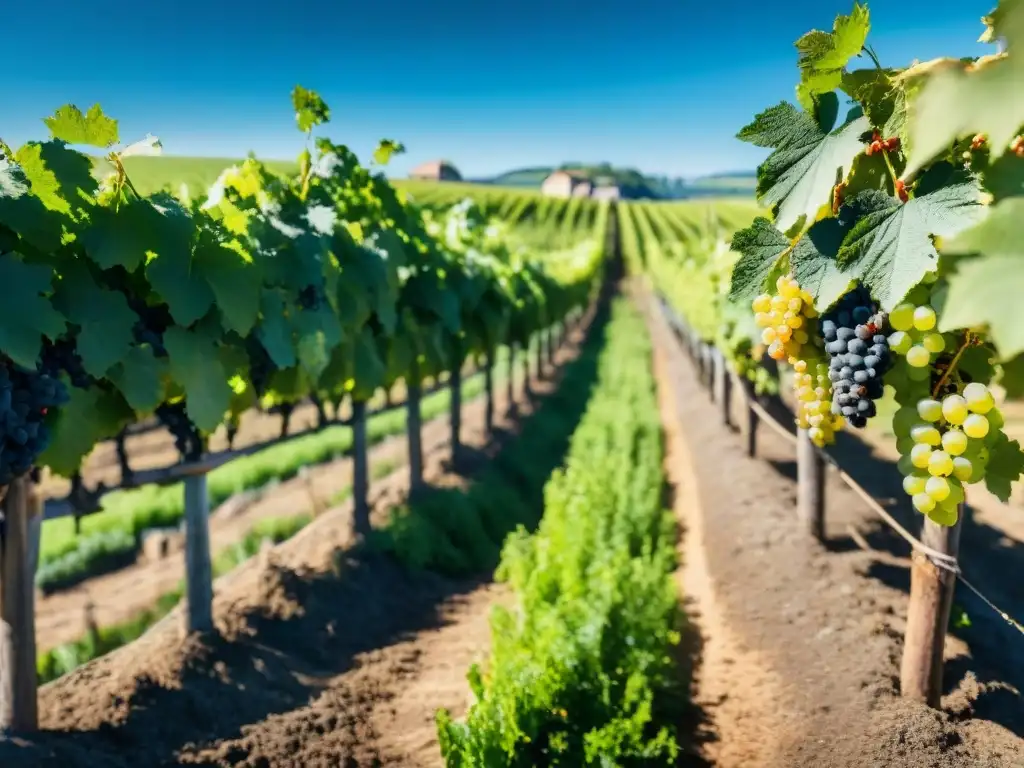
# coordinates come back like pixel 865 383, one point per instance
pixel 324 655
pixel 801 641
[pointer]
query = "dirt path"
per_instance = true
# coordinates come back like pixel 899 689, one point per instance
pixel 733 685
pixel 322 658
pixel 814 626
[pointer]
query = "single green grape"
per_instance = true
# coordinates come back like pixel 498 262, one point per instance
pixel 923 503
pixel 905 466
pixel 979 398
pixel 940 464
pixel 900 341
pixel 926 433
pixel 937 488
pixel 976 426
pixel 924 318
pixel 963 469
pixel 943 515
pixel 902 317
pixel 954 442
pixel 915 484
pixel 929 409
pixel 918 356
pixel 954 409
pixel 920 455
pixel 934 343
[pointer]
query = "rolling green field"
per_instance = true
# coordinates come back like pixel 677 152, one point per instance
pixel 152 174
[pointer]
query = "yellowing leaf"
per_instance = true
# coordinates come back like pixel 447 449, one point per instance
pixel 93 128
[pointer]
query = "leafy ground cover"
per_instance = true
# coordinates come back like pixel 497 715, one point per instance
pixel 582 668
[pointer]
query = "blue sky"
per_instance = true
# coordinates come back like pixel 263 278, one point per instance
pixel 660 85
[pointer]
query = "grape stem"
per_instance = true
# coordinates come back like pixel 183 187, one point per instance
pixel 952 364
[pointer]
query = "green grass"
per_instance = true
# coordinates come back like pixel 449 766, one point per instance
pixel 152 174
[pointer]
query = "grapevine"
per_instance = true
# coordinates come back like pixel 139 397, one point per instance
pixel 263 290
pixel 889 222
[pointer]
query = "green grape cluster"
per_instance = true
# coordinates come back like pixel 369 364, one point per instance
pixel 914 336
pixel 944 444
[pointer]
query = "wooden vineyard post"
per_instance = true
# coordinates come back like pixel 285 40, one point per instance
pixel 810 479
pixel 511 383
pixel 725 394
pixel 710 371
pixel 489 391
pixel 455 404
pixel 931 602
pixel 414 428
pixel 753 420
pixel 360 471
pixel 527 391
pixel 198 568
pixel 540 355
pixel 18 705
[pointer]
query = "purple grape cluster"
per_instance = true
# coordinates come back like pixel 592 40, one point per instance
pixel 855 339
pixel 25 398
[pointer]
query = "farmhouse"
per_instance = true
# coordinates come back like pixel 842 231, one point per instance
pixel 436 170
pixel 607 192
pixel 566 184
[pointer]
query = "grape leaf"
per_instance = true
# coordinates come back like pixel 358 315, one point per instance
pixel 197 366
pixel 180 282
pixel 274 333
pixel 89 417
pixel 318 334
pixel 123 236
pixel 814 262
pixel 986 290
pixel 386 149
pixel 824 55
pixel 890 248
pixel 57 175
pixel 1005 465
pixel 25 314
pixel 798 176
pixel 236 283
pixel 93 129
pixel 761 247
pixel 139 377
pixel 1012 378
pixel 310 109
pixel 367 368
pixel 24 213
pixel 104 319
pixel 877 94
pixel 960 98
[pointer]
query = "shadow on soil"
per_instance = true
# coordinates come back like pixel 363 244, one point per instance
pixel 309 628
pixel 988 558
